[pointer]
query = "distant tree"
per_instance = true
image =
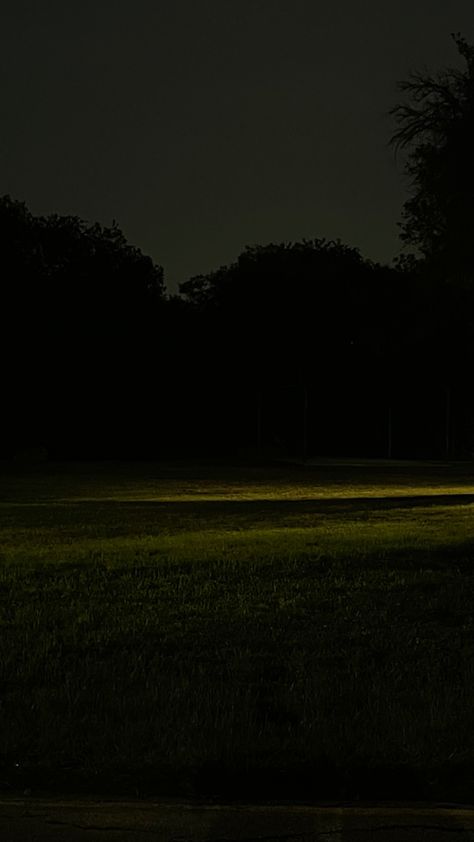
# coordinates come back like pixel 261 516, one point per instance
pixel 289 317
pixel 64 269
pixel 19 257
pixel 436 129
pixel 81 311
pixel 285 305
pixel 93 274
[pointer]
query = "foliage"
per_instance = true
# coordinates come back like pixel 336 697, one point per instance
pixel 436 127
pixel 80 311
pixel 293 302
pixel 73 271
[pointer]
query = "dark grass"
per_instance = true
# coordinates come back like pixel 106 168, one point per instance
pixel 237 648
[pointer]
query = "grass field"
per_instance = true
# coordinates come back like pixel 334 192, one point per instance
pixel 305 632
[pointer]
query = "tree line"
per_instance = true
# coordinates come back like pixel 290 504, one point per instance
pixel 295 349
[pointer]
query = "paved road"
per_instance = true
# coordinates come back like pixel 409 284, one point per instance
pixel 80 820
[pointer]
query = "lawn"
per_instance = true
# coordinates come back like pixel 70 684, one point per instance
pixel 299 632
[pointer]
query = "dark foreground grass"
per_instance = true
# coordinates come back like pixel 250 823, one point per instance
pixel 306 650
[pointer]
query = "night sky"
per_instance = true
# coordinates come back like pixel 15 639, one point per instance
pixel 202 126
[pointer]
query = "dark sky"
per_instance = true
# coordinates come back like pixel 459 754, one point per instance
pixel 205 125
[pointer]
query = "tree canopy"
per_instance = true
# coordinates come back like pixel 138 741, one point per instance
pixel 436 129
pixel 80 326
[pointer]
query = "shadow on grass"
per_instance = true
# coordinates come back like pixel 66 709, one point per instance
pixel 277 507
pixel 298 783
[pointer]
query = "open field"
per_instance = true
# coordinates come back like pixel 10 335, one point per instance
pixel 301 632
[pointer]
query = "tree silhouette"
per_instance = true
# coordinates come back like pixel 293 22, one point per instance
pixel 436 128
pixel 81 313
pixel 308 334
